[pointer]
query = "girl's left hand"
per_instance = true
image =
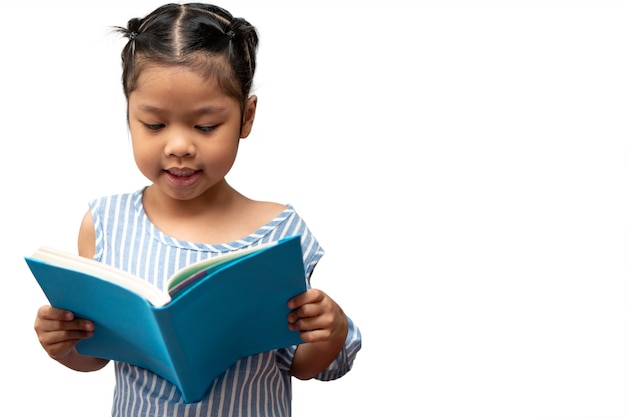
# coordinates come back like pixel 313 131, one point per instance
pixel 317 317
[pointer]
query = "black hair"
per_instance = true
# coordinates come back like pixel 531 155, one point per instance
pixel 204 37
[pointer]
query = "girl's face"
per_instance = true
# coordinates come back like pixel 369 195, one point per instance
pixel 185 130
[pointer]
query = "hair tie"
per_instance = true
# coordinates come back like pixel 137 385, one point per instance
pixel 132 36
pixel 230 34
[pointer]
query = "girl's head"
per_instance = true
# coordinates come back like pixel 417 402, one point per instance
pixel 187 75
pixel 201 37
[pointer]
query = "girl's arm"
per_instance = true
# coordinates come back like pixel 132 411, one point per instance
pixel 58 330
pixel 323 326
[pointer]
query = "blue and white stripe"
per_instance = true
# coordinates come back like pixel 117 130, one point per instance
pixel 255 386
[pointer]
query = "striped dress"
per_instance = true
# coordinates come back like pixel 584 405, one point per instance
pixel 255 386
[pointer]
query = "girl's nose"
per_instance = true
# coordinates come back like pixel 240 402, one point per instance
pixel 179 144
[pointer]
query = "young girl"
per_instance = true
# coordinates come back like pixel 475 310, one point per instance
pixel 187 74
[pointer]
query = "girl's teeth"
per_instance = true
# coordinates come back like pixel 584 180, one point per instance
pixel 180 173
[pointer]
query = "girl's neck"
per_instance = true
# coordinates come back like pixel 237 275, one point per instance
pixel 195 220
pixel 219 198
pixel 222 216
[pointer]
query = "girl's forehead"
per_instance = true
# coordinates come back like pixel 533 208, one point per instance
pixel 178 88
pixel 212 73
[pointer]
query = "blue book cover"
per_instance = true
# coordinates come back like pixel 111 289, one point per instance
pixel 221 313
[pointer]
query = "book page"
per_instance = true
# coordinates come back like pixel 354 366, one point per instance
pixel 103 271
pixel 195 271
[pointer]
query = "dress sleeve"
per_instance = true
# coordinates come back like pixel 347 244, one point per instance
pixel 338 367
pixel 312 252
pixel 94 207
pixel 343 362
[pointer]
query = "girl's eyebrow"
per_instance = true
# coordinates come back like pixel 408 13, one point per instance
pixel 210 109
pixel 199 111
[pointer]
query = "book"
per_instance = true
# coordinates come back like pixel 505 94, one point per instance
pixel 213 313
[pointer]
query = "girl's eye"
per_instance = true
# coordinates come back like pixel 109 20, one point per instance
pixel 154 126
pixel 206 129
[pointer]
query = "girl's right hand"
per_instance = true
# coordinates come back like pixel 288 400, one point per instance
pixel 59 331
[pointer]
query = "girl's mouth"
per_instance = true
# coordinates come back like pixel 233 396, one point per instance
pixel 182 177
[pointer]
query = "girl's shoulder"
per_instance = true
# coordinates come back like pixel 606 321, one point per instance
pixel 267 210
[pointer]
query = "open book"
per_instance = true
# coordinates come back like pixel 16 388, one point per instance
pixel 214 312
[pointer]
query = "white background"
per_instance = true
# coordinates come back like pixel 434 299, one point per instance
pixel 462 163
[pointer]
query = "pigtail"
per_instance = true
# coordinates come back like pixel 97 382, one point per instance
pixel 131 32
pixel 243 43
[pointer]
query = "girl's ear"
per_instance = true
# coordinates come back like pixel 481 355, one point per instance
pixel 248 117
